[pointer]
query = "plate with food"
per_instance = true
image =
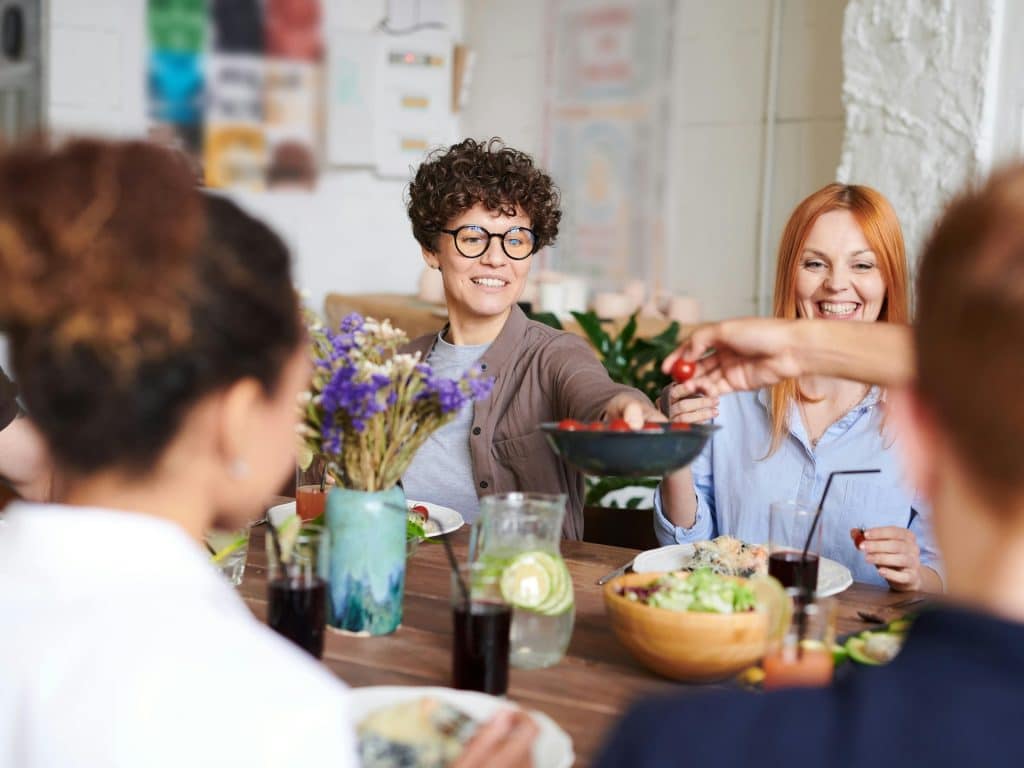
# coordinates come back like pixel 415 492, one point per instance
pixel 433 518
pixel 729 556
pixel 422 726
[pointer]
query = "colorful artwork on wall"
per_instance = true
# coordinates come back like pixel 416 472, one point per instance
pixel 606 135
pixel 237 84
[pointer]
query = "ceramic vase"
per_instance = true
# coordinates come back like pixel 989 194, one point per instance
pixel 366 568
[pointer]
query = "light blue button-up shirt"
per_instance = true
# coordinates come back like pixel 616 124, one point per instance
pixel 735 484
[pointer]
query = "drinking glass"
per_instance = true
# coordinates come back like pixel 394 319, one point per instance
pixel 297 587
pixel 311 488
pixel 789 524
pixel 518 535
pixel 800 655
pixel 228 551
pixel 480 631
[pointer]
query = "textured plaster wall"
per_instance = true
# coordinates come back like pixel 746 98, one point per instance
pixel 916 76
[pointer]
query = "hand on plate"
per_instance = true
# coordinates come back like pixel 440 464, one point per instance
pixel 894 552
pixel 633 410
pixel 505 741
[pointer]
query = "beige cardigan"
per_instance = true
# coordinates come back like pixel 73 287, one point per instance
pixel 541 374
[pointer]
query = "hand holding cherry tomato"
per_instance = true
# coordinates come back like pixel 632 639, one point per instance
pixel 683 370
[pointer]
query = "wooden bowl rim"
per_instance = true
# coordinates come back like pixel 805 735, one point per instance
pixel 614 600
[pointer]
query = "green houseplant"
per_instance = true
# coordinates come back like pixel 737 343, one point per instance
pixel 631 360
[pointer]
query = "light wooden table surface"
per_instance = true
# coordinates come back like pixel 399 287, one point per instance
pixel 585 693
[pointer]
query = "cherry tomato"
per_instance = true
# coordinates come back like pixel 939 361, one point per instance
pixel 422 510
pixel 619 425
pixel 679 426
pixel 597 426
pixel 654 425
pixel 857 534
pixel 571 425
pixel 683 370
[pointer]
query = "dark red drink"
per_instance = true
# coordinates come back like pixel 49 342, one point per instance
pixel 298 608
pixel 480 647
pixel 787 568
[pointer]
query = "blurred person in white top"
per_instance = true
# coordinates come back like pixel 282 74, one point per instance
pixel 156 337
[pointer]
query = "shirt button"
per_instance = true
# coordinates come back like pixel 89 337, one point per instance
pixel 476 430
pixel 483 483
pixel 483 366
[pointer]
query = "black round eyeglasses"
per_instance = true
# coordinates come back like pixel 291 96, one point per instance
pixel 472 241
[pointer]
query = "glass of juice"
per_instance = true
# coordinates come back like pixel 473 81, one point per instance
pixel 789 525
pixel 481 621
pixel 311 488
pixel 801 654
pixel 229 550
pixel 297 587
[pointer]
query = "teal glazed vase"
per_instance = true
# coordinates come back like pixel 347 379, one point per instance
pixel 366 565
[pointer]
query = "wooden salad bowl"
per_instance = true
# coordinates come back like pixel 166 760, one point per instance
pixel 683 645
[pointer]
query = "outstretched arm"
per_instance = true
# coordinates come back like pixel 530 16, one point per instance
pixel 751 353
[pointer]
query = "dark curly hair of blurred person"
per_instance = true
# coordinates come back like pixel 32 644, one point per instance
pixel 127 295
pixel 451 181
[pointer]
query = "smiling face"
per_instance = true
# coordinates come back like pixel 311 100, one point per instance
pixel 837 273
pixel 480 292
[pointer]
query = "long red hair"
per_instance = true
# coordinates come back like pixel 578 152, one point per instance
pixel 881 228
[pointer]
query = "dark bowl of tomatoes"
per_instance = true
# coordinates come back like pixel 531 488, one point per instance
pixel 612 448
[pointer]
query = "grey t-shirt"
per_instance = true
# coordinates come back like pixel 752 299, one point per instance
pixel 441 472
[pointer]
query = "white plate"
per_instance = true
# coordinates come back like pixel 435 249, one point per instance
pixel 279 512
pixel 553 748
pixel 446 517
pixel 833 577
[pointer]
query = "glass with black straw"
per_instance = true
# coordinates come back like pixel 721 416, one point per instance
pixel 481 622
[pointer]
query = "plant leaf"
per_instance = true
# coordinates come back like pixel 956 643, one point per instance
pixel 628 331
pixel 591 326
pixel 668 337
pixel 548 318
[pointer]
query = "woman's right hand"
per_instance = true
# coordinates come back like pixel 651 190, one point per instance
pixel 684 407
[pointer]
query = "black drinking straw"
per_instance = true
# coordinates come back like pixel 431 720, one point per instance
pixel 455 569
pixel 807 590
pixel 821 506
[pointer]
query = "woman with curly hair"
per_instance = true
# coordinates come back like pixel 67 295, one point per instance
pixel 480 211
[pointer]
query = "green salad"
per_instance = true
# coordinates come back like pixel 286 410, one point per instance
pixel 701 591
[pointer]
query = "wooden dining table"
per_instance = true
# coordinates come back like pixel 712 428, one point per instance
pixel 585 693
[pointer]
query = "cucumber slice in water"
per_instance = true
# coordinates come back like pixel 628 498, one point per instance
pixel 539 582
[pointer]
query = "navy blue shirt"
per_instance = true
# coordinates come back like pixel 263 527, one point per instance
pixel 953 697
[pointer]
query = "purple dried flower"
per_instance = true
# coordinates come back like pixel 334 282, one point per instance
pixel 351 322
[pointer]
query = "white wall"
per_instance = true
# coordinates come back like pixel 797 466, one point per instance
pixel 350 235
pixel 720 61
pixel 1008 114
pixel 919 89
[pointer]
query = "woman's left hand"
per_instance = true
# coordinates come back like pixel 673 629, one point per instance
pixel 633 410
pixel 894 552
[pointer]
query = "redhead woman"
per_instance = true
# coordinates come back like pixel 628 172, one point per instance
pixel 841 259
pixel 480 212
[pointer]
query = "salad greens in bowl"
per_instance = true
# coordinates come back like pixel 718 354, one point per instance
pixel 695 626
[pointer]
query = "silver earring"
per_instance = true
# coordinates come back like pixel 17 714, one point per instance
pixel 239 468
